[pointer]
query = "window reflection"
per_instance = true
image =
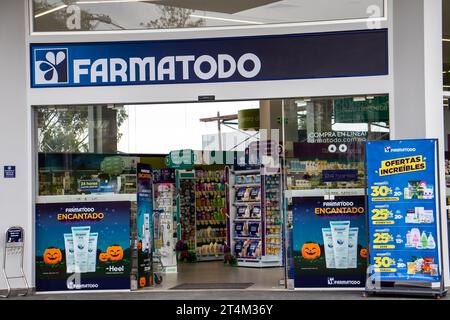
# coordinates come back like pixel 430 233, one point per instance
pixel 101 15
pixel 329 137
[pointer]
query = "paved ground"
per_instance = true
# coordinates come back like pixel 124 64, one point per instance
pixel 266 287
pixel 211 295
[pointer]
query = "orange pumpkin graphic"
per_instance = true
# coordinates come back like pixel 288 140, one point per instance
pixel 52 255
pixel 363 253
pixel 115 253
pixel 103 257
pixel 311 251
pixel 142 282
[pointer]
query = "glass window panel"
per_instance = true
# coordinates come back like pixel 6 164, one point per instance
pixel 100 15
pixel 446 44
pixel 324 141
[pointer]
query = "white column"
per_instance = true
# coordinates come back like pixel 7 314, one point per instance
pixel 15 130
pixel 417 85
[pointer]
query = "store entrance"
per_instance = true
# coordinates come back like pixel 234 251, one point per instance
pixel 211 195
pixel 199 192
pixel 217 219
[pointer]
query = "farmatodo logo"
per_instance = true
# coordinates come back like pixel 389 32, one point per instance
pixel 51 66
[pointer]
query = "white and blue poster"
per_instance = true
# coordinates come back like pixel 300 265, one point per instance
pixel 329 242
pixel 403 196
pixel 83 246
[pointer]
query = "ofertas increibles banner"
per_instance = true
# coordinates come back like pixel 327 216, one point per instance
pixel 83 246
pixel 144 225
pixel 255 58
pixel 402 204
pixel 330 242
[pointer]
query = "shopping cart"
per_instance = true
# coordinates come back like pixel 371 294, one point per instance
pixel 158 243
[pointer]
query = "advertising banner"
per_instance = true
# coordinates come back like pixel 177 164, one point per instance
pixel 144 225
pixel 83 246
pixel 254 58
pixel 330 242
pixel 402 205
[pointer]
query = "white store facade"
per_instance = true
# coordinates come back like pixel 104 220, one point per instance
pixel 412 81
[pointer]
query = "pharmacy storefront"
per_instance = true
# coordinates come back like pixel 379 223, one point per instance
pixel 211 156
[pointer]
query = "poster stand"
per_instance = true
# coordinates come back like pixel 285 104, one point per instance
pixel 13 258
pixel 376 286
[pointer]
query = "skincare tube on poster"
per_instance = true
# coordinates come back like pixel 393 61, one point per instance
pixel 146 232
pixel 92 252
pixel 70 255
pixel 328 246
pixel 353 248
pixel 339 232
pixel 80 244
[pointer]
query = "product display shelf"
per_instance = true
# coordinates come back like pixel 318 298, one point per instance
pixel 273 219
pixel 164 200
pixel 185 181
pixel 249 241
pixel 211 223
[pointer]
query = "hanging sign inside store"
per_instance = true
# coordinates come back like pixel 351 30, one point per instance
pixel 403 206
pixel 249 119
pixel 330 245
pixel 83 246
pixel 257 58
pixel 347 110
pixel 144 225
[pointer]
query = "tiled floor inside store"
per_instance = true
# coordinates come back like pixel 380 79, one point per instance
pixel 216 271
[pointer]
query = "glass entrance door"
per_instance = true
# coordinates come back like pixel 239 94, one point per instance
pixel 324 187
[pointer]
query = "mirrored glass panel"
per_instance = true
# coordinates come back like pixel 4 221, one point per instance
pixel 100 15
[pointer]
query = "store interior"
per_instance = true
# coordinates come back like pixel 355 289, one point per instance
pixel 220 211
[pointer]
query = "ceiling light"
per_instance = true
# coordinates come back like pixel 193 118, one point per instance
pixel 224 19
pixel 50 11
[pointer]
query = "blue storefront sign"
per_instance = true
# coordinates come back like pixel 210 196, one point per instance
pixel 403 195
pixel 9 172
pixel 257 58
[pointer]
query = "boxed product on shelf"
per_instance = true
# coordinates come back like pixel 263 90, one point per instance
pixel 254 229
pixel 239 229
pixel 248 211
pixel 248 179
pixel 255 194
